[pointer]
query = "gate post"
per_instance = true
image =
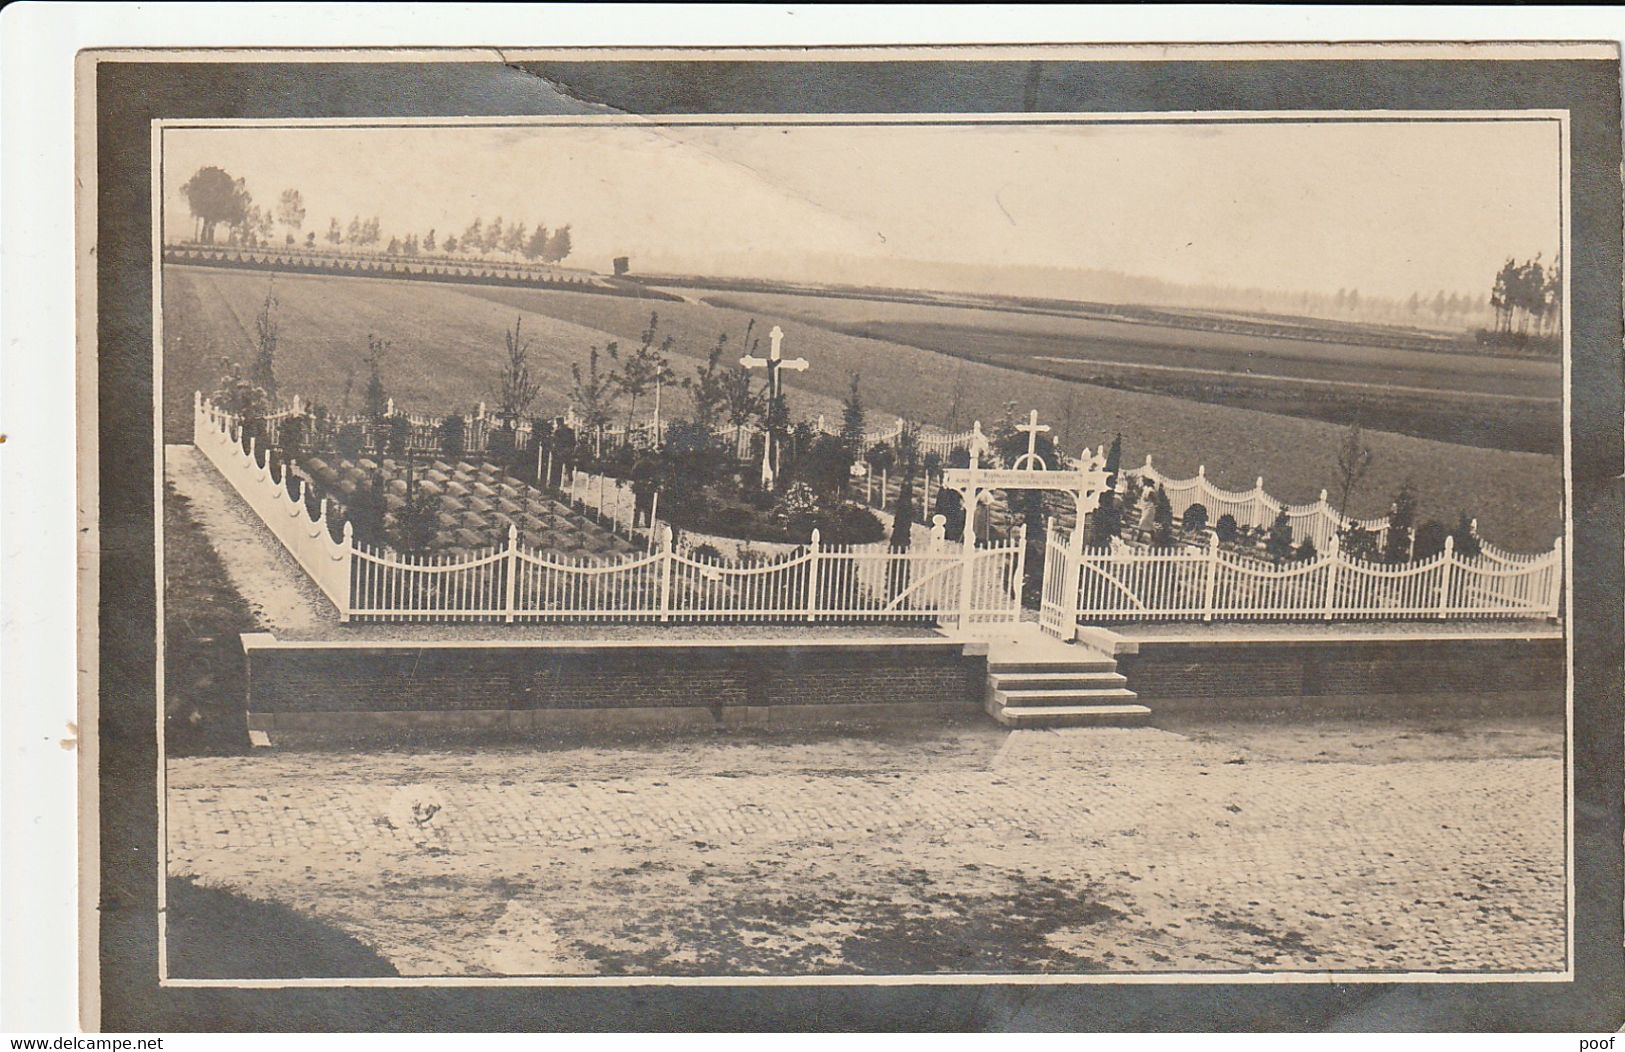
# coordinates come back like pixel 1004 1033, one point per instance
pixel 513 570
pixel 1554 596
pixel 812 577
pixel 1019 583
pixel 1334 558
pixel 1210 576
pixel 1444 583
pixel 967 555
pixel 347 560
pixel 666 554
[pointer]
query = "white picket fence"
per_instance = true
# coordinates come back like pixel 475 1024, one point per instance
pixel 818 582
pixel 1256 509
pixel 933 581
pixel 1208 584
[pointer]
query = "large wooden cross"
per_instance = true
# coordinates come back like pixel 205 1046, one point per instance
pixel 774 361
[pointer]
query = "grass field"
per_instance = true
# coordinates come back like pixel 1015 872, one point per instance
pixel 447 350
pixel 1466 398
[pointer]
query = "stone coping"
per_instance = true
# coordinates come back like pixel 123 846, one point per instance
pixel 1128 638
pixel 260 641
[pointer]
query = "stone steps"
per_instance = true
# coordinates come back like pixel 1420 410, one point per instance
pixel 1024 679
pixel 1021 716
pixel 1036 681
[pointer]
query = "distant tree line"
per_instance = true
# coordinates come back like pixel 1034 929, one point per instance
pixel 217 200
pixel 1527 299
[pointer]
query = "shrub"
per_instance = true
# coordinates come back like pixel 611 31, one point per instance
pixel 1162 520
pixel 706 552
pixel 1430 537
pixel 1195 518
pixel 351 440
pixel 499 443
pixel 1278 543
pixel 849 524
pixel 293 434
pixel 951 506
pixel 881 459
pixel 1106 521
pixel 453 435
pixel 1227 529
pixel 1360 543
pixel 1467 545
pixel 1306 552
pixel 1401 520
pixel 825 466
pixel 797 505
pixel 397 433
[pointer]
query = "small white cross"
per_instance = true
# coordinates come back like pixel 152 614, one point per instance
pixel 1032 427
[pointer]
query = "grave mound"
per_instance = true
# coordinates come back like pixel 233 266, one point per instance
pixel 475 503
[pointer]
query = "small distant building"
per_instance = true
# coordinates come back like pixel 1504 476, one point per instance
pixel 622 265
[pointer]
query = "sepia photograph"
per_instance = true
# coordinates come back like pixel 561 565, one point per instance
pixel 1055 547
pixel 913 538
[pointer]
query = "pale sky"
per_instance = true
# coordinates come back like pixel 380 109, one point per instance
pixel 1386 208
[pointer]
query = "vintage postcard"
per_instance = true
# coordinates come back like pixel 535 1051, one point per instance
pixel 897 538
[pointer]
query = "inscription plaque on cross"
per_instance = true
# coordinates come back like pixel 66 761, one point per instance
pixel 774 362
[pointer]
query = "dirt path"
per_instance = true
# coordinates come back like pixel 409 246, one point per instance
pixel 264 574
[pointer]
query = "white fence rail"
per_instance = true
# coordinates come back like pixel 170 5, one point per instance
pixel 250 472
pixel 815 583
pixel 1208 584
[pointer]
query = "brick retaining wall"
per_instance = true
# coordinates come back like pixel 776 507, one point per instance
pixel 338 688
pixel 1391 676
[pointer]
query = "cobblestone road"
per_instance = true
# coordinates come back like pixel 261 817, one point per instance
pixel 967 850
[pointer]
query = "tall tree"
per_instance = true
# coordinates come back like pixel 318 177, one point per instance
pixel 334 233
pixel 493 235
pixel 645 368
pixel 214 197
pixel 594 390
pixel 290 210
pixel 428 241
pixel 473 239
pixel 536 246
pixel 514 240
pixel 708 388
pixel 853 424
pixel 416 521
pixel 265 331
pixel 519 388
pixel 377 398
pixel 558 246
pixel 352 233
pixel 1353 461
pixel 908 466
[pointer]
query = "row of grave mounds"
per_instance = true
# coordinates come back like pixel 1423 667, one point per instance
pixel 476 503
